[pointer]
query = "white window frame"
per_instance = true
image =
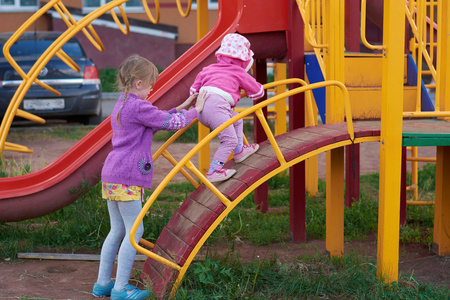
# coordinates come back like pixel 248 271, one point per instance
pixel 132 9
pixel 211 5
pixel 19 8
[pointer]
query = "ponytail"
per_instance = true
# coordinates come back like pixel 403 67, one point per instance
pixel 127 90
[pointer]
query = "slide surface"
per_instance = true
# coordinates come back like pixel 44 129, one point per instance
pixel 54 187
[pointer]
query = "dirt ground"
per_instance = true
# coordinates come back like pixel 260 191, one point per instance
pixel 59 279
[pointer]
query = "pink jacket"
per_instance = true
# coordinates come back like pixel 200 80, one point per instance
pixel 227 77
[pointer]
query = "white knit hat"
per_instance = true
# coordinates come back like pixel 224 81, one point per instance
pixel 236 46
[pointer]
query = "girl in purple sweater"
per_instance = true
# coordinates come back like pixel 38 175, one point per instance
pixel 224 81
pixel 129 168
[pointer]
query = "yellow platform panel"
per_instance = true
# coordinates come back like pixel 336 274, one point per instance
pixel 366 102
pixel 364 70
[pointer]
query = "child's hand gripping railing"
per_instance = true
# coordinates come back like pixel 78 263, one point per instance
pixel 54 49
pixel 186 162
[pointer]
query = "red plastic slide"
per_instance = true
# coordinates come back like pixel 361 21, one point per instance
pixel 52 187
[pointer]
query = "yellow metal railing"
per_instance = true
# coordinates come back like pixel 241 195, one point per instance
pixel 186 162
pixel 54 49
pixel 155 19
pixel 363 28
pixel 313 15
pixel 279 110
pixel 414 159
pixel 423 44
pixel 422 17
pixel 84 25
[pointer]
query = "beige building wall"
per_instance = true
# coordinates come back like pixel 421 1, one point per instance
pixel 12 21
pixel 169 15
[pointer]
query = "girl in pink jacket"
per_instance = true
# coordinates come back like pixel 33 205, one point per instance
pixel 223 81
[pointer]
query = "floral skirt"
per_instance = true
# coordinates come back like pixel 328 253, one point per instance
pixel 121 192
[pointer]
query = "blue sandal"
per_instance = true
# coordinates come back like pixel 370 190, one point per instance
pixel 129 293
pixel 102 291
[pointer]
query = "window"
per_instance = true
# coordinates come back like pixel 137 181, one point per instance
pixel 18 5
pixel 36 48
pixel 130 6
pixel 212 4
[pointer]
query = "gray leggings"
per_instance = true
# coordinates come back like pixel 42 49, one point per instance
pixel 122 215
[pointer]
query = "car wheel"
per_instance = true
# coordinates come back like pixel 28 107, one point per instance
pixel 95 120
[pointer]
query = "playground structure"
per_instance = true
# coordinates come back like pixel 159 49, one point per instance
pixel 46 190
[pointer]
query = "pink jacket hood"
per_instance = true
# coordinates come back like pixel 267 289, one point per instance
pixel 221 59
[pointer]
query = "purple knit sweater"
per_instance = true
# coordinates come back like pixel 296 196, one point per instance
pixel 130 162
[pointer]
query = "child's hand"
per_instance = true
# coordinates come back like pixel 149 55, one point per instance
pixel 188 103
pixel 201 101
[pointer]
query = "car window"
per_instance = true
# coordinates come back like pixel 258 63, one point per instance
pixel 37 48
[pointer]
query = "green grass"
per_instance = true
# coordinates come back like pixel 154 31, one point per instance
pixel 85 224
pixel 108 78
pixel 63 228
pixel 11 168
pixel 67 133
pixel 304 277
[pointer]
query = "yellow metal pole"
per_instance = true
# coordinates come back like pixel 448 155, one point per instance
pixel 443 57
pixel 335 12
pixel 311 164
pixel 421 23
pixel 441 234
pixel 280 106
pixel 202 18
pixel 391 140
pixel 203 131
pixel 415 174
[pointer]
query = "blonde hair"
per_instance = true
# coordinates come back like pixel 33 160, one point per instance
pixel 134 68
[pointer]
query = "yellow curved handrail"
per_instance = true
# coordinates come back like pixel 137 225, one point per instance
pixel 66 58
pixel 309 32
pixel 125 30
pixel 85 26
pixel 314 17
pixel 54 49
pixel 363 29
pixel 419 43
pixel 149 13
pixel 309 104
pixel 162 151
pixel 185 162
pixel 188 9
pixel 71 22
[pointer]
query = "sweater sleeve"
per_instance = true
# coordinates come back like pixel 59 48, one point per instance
pixel 195 87
pixel 151 116
pixel 252 88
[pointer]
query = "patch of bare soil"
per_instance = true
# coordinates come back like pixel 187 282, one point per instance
pixel 54 279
